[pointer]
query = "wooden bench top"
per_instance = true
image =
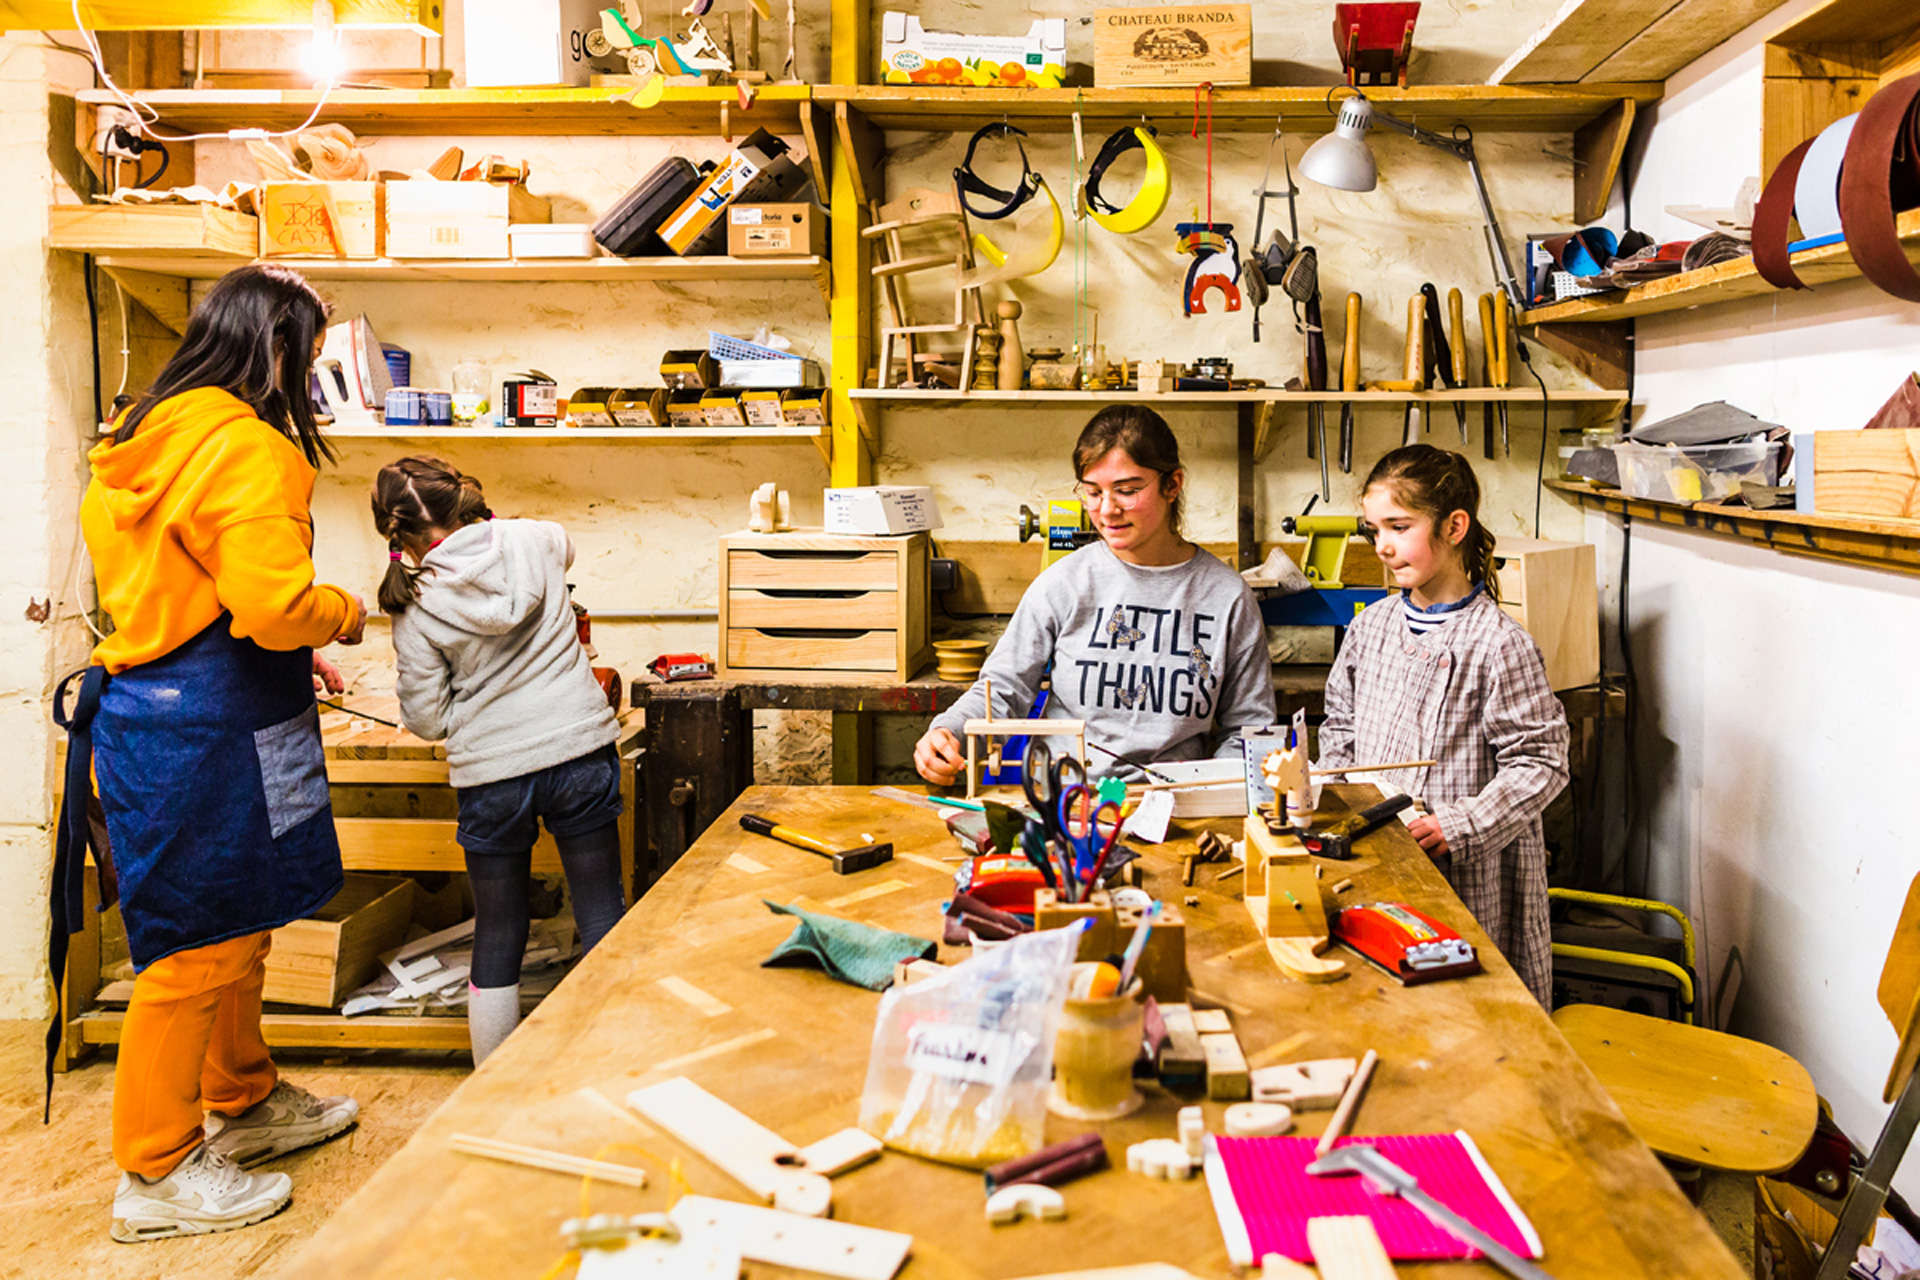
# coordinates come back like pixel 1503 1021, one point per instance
pixel 677 989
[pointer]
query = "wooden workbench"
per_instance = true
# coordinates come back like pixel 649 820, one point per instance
pixel 677 989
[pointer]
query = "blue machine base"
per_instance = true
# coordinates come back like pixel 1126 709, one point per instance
pixel 1320 607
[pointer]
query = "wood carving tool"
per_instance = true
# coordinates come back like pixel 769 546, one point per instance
pixel 1384 1174
pixel 1416 367
pixel 1490 342
pixel 1317 381
pixel 1409 946
pixel 845 861
pixel 1349 381
pixel 1503 364
pixel 1349 1103
pixel 1336 842
pixel 1457 344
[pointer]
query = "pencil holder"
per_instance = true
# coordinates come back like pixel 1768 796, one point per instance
pixel 1094 1053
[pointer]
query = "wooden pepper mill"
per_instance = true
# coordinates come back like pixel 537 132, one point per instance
pixel 986 359
pixel 1012 361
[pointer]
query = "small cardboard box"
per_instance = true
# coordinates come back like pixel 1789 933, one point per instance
pixel 684 407
pixel 532 42
pixel 686 225
pixel 427 219
pixel 882 509
pixel 321 219
pixel 317 961
pixel 638 407
pixel 722 409
pixel 776 231
pixel 910 54
pixel 762 408
pixel 1173 47
pixel 688 367
pixel 805 407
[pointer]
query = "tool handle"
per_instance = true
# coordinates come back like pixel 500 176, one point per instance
pixel 1374 815
pixel 768 827
pixel 1350 358
pixel 1316 346
pixel 1490 340
pixel 1436 358
pixel 1416 342
pixel 1457 331
pixel 1503 325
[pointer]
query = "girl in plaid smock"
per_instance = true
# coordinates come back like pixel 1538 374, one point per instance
pixel 1440 672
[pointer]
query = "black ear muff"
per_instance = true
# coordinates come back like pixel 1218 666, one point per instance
pixel 971 183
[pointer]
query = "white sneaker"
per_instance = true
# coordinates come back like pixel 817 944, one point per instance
pixel 285 1120
pixel 206 1192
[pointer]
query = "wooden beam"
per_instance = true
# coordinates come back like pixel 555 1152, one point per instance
pixel 423 17
pixel 322 1031
pixel 1597 150
pixel 851 307
pixel 142 59
pixel 1603 40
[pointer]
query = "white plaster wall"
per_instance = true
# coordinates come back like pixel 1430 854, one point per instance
pixel 1776 736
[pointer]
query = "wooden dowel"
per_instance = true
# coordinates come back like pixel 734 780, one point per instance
pixel 1349 1103
pixel 1376 768
pixel 1191 782
pixel 554 1161
pixel 1318 773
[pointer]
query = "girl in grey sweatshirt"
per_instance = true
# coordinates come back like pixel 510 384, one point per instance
pixel 489 659
pixel 1152 641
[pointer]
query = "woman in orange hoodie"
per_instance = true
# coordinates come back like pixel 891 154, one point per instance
pixel 199 719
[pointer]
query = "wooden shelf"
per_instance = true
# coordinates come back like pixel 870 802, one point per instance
pixel 1727 282
pixel 1610 40
pixel 1856 540
pixel 1555 109
pixel 459 112
pixel 718 270
pixel 313 1030
pixel 688 436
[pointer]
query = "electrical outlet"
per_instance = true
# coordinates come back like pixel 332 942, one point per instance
pixel 108 121
pixel 944 575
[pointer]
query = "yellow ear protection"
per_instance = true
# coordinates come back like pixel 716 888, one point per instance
pixel 1155 185
pixel 970 183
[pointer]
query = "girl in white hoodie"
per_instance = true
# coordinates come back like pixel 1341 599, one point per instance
pixel 489 659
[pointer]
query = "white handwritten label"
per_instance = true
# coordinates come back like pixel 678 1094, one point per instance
pixel 971 1054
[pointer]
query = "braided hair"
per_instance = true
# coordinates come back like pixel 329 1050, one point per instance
pixel 1437 483
pixel 410 498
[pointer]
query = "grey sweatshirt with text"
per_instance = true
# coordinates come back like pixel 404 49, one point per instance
pixel 1155 660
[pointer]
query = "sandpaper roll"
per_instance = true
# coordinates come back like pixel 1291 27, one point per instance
pixel 1885 136
pixel 1050 1165
pixel 1771 216
pixel 965 904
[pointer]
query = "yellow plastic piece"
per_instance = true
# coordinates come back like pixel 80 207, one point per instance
pixel 1150 201
pixel 1056 236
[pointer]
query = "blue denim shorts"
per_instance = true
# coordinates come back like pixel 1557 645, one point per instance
pixel 573 798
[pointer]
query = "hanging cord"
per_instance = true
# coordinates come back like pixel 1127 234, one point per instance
pixel 1080 266
pixel 1205 89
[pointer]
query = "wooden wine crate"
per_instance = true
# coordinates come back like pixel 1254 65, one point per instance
pixel 317 961
pixel 1550 588
pixel 322 219
pixel 1173 47
pixel 806 602
pixel 168 230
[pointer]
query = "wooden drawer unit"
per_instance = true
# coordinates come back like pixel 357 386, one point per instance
pixel 1550 589
pixel 795 604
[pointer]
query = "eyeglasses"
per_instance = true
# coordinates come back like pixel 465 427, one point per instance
pixel 1126 495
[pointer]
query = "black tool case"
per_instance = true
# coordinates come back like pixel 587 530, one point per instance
pixel 629 229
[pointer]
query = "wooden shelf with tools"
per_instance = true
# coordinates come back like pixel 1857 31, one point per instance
pixel 1855 540
pixel 471 112
pixel 1306 109
pixel 671 437
pixel 713 270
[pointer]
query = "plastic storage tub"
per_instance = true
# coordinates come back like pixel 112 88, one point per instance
pixel 1695 473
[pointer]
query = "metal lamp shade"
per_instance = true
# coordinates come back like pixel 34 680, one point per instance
pixel 1342 159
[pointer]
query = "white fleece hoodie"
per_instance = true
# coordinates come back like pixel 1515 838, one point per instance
pixel 489 658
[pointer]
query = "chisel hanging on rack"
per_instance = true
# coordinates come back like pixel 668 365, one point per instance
pixel 1349 381
pixel 1416 367
pixel 1503 366
pixel 1317 382
pixel 1440 361
pixel 1457 332
pixel 1490 341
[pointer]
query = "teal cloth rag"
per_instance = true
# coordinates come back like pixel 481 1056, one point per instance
pixel 847 951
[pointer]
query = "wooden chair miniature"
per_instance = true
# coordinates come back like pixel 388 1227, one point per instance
pixel 1707 1098
pixel 923 214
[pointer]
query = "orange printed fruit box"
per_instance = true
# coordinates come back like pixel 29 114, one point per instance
pixel 910 54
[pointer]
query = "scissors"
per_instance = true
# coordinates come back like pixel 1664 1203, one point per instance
pixel 1092 845
pixel 1046 781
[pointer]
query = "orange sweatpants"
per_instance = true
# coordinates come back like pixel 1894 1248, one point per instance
pixel 191 1043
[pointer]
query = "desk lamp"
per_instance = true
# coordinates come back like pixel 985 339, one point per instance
pixel 1343 160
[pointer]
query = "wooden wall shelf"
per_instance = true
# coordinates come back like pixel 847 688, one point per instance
pixel 1869 543
pixel 1727 282
pixel 1606 40
pixel 457 112
pixel 1556 109
pixel 686 437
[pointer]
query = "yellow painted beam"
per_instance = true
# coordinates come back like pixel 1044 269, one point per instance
pixel 851 309
pixel 422 17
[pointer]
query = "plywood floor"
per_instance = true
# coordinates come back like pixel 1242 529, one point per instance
pixel 57 1180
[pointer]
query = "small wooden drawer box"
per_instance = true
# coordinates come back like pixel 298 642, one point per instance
pixel 1550 589
pixel 317 961
pixel 793 604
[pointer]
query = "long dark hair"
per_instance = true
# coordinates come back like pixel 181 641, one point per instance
pixel 1436 484
pixel 1143 434
pixel 252 335
pixel 410 497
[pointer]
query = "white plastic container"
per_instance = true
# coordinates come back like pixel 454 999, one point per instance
pixel 1695 473
pixel 552 240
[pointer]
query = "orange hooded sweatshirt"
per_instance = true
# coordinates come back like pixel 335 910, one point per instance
pixel 205 510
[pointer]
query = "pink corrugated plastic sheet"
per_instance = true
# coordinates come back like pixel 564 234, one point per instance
pixel 1276 1196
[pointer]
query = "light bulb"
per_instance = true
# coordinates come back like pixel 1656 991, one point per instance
pixel 323 58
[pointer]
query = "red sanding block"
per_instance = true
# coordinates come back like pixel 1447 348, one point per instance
pixel 1410 945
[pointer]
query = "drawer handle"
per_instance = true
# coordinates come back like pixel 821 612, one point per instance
pixel 811 633
pixel 846 556
pixel 808 593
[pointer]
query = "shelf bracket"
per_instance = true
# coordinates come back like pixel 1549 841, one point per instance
pixel 824 443
pixel 164 297
pixel 1263 415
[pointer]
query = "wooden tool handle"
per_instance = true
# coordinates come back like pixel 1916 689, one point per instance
pixel 1316 346
pixel 1503 325
pixel 1350 358
pixel 1489 339
pixel 1416 371
pixel 1349 1103
pixel 1457 334
pixel 799 839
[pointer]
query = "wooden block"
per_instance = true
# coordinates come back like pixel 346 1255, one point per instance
pixel 1551 590
pixel 748 1152
pixel 1227 1078
pixel 318 960
pixel 1162 967
pixel 1867 473
pixel 179 230
pixel 1294 905
pixel 1262 845
pixel 1183 1057
pixel 321 219
pixel 1162 48
pixel 1305 1086
pixel 908 972
pixel 1212 1022
pixel 1348 1249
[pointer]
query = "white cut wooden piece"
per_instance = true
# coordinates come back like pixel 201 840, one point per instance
pixel 744 1149
pixel 1304 1086
pixel 432 942
pixel 1193 1131
pixel 1161 1158
pixel 653 1258
pixel 1258 1119
pixel 555 1161
pixel 1277 1266
pixel 1211 1021
pixel 1026 1200
pixel 788 1240
pixel 836 1153
pixel 1348 1249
